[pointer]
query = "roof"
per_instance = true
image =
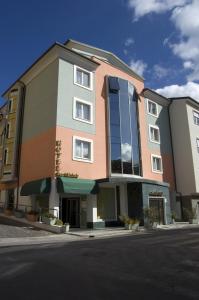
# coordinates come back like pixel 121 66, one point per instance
pixel 108 55
pixel 184 98
pixel 40 57
pixel 152 95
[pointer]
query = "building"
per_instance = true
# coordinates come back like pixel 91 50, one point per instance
pixel 88 145
pixel 184 115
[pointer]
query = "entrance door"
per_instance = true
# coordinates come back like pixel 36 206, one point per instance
pixel 71 211
pixel 158 205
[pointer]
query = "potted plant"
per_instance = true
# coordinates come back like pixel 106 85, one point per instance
pixel 60 228
pixel 151 220
pixel 8 211
pixel 49 219
pixel 32 216
pixel 134 224
pixel 19 213
pixel 173 217
pixel 190 215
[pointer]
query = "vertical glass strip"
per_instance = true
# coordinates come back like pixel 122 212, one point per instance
pixel 134 130
pixel 126 147
pixel 115 139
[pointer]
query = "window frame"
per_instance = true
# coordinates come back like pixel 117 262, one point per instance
pixel 150 137
pixel 75 138
pixel 153 170
pixel 10 106
pixel 90 88
pixel 197 144
pixel 75 100
pixel 5 162
pixel 8 131
pixel 157 112
pixel 195 111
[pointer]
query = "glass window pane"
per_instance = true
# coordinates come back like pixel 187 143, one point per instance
pixel 78 151
pixel 135 135
pixel 86 112
pixel 78 110
pixel 125 128
pixel 86 79
pixel 86 150
pixel 79 76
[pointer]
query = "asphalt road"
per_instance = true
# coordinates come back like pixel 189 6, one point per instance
pixel 163 265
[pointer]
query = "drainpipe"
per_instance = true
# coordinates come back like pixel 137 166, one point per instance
pixel 19 136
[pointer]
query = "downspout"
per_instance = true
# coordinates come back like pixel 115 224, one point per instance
pixel 19 136
pixel 174 170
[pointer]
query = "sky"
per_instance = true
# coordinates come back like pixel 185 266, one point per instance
pixel 159 39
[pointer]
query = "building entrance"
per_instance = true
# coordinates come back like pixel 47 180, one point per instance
pixel 71 211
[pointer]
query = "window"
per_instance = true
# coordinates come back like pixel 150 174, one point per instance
pixel 83 111
pixel 82 149
pixel 156 162
pixel 197 144
pixel 196 117
pixel 152 108
pixel 83 78
pixel 154 134
pixel 5 159
pixel 10 106
pixel 7 130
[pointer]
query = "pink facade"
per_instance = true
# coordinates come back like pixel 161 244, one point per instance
pixel 38 153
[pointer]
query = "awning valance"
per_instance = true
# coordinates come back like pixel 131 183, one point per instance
pixel 67 185
pixel 36 187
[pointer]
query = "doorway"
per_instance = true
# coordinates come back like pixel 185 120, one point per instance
pixel 157 204
pixel 71 211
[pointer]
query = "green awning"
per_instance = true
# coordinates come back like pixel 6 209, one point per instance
pixel 36 187
pixel 67 185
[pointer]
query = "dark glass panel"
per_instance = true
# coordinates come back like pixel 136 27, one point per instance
pixel 113 84
pixel 115 139
pixel 116 165
pixel 126 146
pixel 135 134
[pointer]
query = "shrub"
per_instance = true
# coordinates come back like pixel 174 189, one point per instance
pixel 59 222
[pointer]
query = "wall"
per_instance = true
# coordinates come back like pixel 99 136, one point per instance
pixel 194 134
pixel 38 140
pixel 182 148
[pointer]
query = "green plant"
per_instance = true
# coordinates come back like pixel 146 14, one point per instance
pixel 173 215
pixel 150 214
pixel 59 222
pixel 127 220
pixel 189 214
pixel 49 215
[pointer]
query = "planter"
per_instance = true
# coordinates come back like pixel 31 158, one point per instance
pixel 19 213
pixel 8 212
pixel 193 221
pixel 67 227
pixel 32 217
pixel 59 229
pixel 128 226
pixel 49 221
pixel 135 227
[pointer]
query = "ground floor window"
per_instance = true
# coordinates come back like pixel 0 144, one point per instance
pixel 106 204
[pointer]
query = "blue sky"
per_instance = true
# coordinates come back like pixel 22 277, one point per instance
pixel 157 38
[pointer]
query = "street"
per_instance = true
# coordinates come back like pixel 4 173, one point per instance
pixel 161 265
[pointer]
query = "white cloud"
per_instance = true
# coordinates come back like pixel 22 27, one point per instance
pixel 144 7
pixel 185 16
pixel 129 42
pixel 138 66
pixel 126 152
pixel 186 21
pixel 190 89
pixel 160 72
